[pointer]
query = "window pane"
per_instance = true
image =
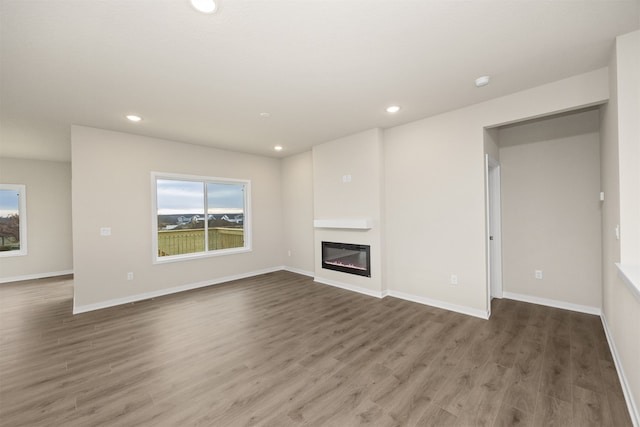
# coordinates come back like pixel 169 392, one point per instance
pixel 180 217
pixel 200 217
pixel 9 220
pixel 225 208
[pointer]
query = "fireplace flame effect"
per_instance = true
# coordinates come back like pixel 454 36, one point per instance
pixel 342 264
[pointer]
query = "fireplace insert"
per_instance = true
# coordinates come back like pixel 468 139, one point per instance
pixel 347 258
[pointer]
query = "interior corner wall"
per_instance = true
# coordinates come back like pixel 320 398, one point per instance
pixel 435 191
pixel 551 212
pixel 621 306
pixel 48 188
pixel 112 188
pixel 297 212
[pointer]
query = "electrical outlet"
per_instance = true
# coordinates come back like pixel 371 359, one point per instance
pixel 130 275
pixel 289 252
pixel 454 279
pixel 538 274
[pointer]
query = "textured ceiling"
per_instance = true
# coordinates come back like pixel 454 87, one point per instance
pixel 322 69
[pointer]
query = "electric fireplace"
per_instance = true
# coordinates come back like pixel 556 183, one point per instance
pixel 347 258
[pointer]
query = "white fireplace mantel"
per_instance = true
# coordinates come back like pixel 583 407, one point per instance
pixel 350 223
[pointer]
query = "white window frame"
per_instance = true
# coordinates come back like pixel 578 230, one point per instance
pixel 22 212
pixel 155 176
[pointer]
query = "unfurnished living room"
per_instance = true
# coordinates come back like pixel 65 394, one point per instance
pixel 319 213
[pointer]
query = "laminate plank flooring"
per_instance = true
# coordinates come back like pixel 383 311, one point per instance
pixel 281 350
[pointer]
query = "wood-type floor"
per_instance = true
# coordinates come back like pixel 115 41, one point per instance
pixel 280 350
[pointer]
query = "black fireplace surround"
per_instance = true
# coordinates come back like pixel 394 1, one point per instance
pixel 347 258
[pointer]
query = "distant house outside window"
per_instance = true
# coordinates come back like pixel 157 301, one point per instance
pixel 13 220
pixel 197 216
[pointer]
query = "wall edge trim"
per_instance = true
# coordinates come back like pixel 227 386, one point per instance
pixel 168 291
pixel 348 287
pixel 35 276
pixel 440 304
pixel 297 271
pixel 626 390
pixel 553 303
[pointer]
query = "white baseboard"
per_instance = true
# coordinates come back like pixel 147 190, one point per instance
pixel 168 291
pixel 628 396
pixel 348 287
pixel 298 271
pixel 553 303
pixel 413 298
pixel 35 276
pixel 440 304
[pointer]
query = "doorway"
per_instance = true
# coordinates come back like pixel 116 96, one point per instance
pixel 494 230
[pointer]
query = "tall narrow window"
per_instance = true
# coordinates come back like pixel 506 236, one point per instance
pixel 199 216
pixel 13 220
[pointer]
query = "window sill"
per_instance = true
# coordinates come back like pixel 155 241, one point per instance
pixel 630 273
pixel 189 257
pixel 8 254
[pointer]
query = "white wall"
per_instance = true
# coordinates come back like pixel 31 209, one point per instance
pixel 435 192
pixel 297 212
pixel 551 209
pixel 621 306
pixel 48 187
pixel 112 188
pixel 359 156
pixel 628 89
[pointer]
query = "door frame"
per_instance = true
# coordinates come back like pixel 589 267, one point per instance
pixel 493 228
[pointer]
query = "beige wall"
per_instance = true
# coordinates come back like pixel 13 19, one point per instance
pixel 435 209
pixel 491 143
pixel 551 210
pixel 621 306
pixel 111 188
pixel 360 156
pixel 435 192
pixel 628 89
pixel 297 212
pixel 48 187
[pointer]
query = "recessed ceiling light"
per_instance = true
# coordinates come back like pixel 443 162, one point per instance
pixel 265 115
pixel 482 81
pixel 134 118
pixel 204 6
pixel 278 148
pixel 393 109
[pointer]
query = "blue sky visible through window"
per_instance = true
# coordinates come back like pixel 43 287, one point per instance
pixel 225 198
pixel 187 197
pixel 9 200
pixel 180 197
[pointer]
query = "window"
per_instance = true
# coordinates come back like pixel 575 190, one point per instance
pixel 199 216
pixel 13 220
